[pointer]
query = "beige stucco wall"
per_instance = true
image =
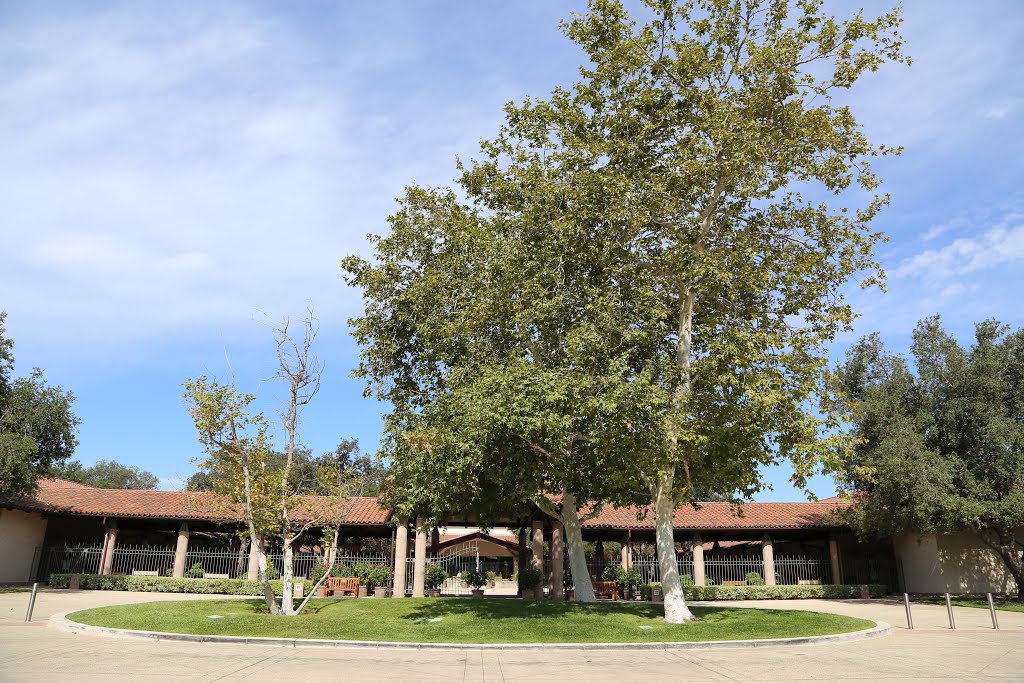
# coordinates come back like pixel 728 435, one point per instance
pixel 20 533
pixel 955 563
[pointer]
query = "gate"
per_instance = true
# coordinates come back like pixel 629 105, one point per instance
pixel 454 561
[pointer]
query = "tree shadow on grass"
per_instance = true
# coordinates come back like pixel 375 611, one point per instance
pixel 433 608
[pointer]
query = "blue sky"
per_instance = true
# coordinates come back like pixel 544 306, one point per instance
pixel 171 173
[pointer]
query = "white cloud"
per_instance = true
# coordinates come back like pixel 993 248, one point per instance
pixel 999 112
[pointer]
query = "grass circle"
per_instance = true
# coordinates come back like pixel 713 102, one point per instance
pixel 451 620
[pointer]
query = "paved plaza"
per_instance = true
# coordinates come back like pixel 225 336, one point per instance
pixel 34 652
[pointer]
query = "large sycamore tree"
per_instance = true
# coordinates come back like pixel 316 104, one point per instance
pixel 941 439
pixel 664 218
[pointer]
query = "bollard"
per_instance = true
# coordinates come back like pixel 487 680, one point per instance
pixel 906 601
pixel 949 610
pixel 992 611
pixel 31 602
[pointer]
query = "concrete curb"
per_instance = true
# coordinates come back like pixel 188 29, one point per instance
pixel 62 623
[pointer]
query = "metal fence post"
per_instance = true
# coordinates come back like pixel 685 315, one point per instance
pixel 949 610
pixel 992 611
pixel 906 602
pixel 31 602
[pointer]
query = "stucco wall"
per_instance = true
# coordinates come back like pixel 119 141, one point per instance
pixel 20 533
pixel 955 563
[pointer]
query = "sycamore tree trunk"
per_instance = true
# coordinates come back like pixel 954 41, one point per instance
pixel 287 575
pixel 261 571
pixel 676 611
pixel 582 587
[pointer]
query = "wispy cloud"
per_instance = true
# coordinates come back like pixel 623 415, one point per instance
pixel 1000 245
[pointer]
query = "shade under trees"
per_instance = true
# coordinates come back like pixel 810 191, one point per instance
pixel 941 437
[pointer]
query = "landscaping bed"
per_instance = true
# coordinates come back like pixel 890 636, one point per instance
pixel 163 584
pixel 821 592
pixel 453 620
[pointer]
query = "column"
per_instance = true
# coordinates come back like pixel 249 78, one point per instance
pixel 524 558
pixel 538 557
pixel 557 560
pixel 420 565
pixel 181 551
pixel 627 552
pixel 698 560
pixel 768 559
pixel 109 543
pixel 253 571
pixel 833 552
pixel 401 552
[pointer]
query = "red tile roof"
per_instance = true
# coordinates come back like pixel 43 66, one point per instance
pixel 179 505
pixel 60 496
pixel 724 516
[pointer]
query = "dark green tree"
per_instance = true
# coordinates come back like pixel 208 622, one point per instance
pixel 37 427
pixel 942 439
pixel 107 474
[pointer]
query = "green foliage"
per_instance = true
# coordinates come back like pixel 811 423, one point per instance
pixel 475 578
pixel 827 592
pixel 37 427
pixel 686 580
pixel 318 571
pixel 941 441
pixel 273 573
pixel 343 571
pixel 529 577
pixel 162 584
pixel 434 576
pixel 107 474
pixel 754 579
pixel 195 571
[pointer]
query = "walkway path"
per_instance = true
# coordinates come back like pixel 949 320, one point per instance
pixel 34 652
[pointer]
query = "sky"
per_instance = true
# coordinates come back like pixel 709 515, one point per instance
pixel 174 175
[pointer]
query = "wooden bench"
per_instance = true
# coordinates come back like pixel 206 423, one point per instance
pixel 734 583
pixel 140 572
pixel 211 575
pixel 337 585
pixel 608 588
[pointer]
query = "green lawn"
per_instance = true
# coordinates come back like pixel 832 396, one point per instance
pixel 1009 605
pixel 13 589
pixel 466 621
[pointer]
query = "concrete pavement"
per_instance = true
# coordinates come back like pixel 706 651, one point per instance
pixel 35 652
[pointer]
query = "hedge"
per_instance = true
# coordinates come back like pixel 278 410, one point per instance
pixel 163 584
pixel 828 592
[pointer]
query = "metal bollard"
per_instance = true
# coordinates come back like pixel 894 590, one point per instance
pixel 949 610
pixel 31 602
pixel 992 611
pixel 906 602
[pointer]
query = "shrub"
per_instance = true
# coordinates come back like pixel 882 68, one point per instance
pixel 342 571
pixel 614 573
pixel 754 579
pixel 375 575
pixel 317 572
pixel 195 571
pixel 475 579
pixel 645 590
pixel 273 573
pixel 491 577
pixel 686 580
pixel 434 576
pixel 632 578
pixel 529 577
pixel 163 584
pixel 778 592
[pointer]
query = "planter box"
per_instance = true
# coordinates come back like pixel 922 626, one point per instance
pixel 478 592
pixel 362 592
pixel 433 592
pixel 321 592
pixel 380 592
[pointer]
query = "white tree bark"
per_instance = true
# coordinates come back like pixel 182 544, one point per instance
pixel 582 587
pixel 676 611
pixel 288 577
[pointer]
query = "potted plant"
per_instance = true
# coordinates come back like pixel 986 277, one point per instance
pixel 528 578
pixel 378 577
pixel 434 576
pixel 476 580
pixel 633 579
pixel 317 573
pixel 617 574
pixel 491 578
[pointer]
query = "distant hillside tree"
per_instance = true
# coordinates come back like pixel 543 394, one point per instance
pixel 37 427
pixel 107 474
pixel 942 439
